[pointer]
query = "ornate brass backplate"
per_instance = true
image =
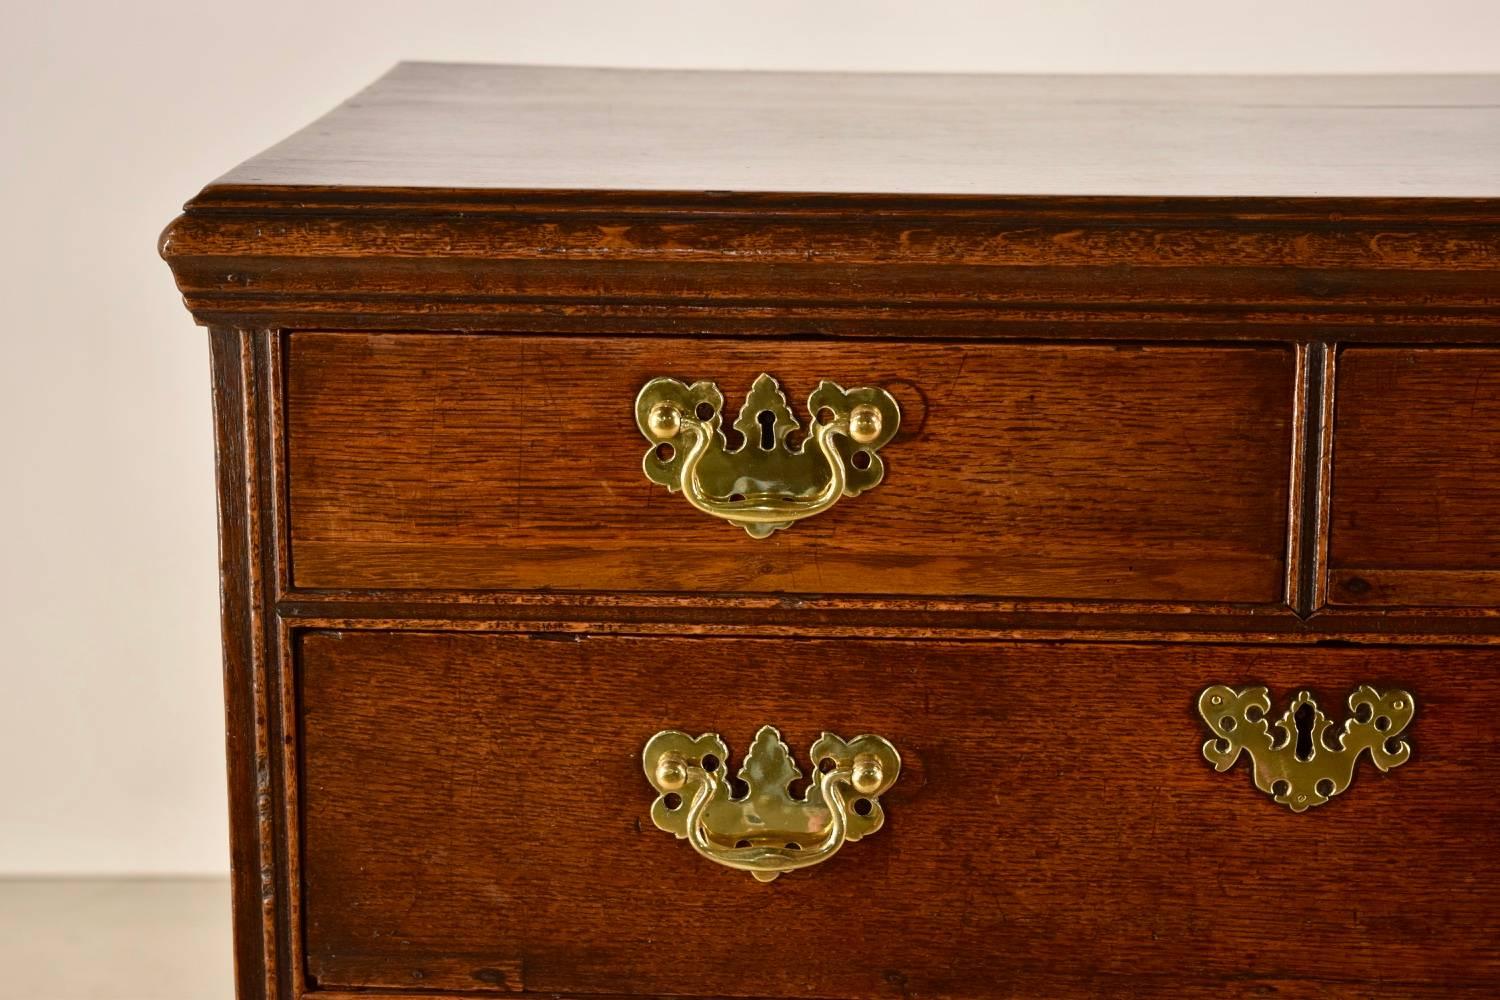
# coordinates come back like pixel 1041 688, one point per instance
pixel 768 830
pixel 1300 768
pixel 764 483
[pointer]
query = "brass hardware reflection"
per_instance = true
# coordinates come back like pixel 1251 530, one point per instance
pixel 1299 781
pixel 768 831
pixel 764 484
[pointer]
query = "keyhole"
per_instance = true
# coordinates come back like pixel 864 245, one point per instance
pixel 767 421
pixel 1304 720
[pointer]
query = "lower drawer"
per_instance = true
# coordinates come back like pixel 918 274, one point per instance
pixel 474 817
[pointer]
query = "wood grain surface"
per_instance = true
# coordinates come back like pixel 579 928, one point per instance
pixel 427 125
pixel 866 266
pixel 1416 478
pixel 607 201
pixel 1149 337
pixel 1068 471
pixel 474 818
pixel 240 429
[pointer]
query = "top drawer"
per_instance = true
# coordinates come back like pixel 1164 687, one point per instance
pixel 1415 500
pixel 1089 471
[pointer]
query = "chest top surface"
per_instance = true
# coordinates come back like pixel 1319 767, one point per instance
pixel 455 126
pixel 529 199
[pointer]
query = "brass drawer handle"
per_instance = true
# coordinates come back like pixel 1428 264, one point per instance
pixel 1301 780
pixel 768 831
pixel 764 484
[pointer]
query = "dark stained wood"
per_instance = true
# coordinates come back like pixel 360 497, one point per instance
pixel 474 818
pixel 1062 985
pixel 1120 472
pixel 1303 527
pixel 855 267
pixel 427 125
pixel 1089 296
pixel 1416 478
pixel 237 414
pixel 559 200
pixel 865 617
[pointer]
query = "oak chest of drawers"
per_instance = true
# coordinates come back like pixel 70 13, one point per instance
pixel 755 535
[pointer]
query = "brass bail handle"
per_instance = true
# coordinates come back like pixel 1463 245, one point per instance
pixel 764 483
pixel 768 831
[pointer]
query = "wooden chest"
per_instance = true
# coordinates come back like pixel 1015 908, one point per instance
pixel 757 535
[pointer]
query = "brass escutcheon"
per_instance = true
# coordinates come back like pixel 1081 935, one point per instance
pixel 764 484
pixel 768 831
pixel 1238 718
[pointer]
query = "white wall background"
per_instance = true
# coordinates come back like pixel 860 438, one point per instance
pixel 111 753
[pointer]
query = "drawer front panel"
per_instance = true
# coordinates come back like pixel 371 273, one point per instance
pixel 451 462
pixel 474 817
pixel 1415 512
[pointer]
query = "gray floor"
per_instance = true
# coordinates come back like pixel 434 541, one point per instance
pixel 115 939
